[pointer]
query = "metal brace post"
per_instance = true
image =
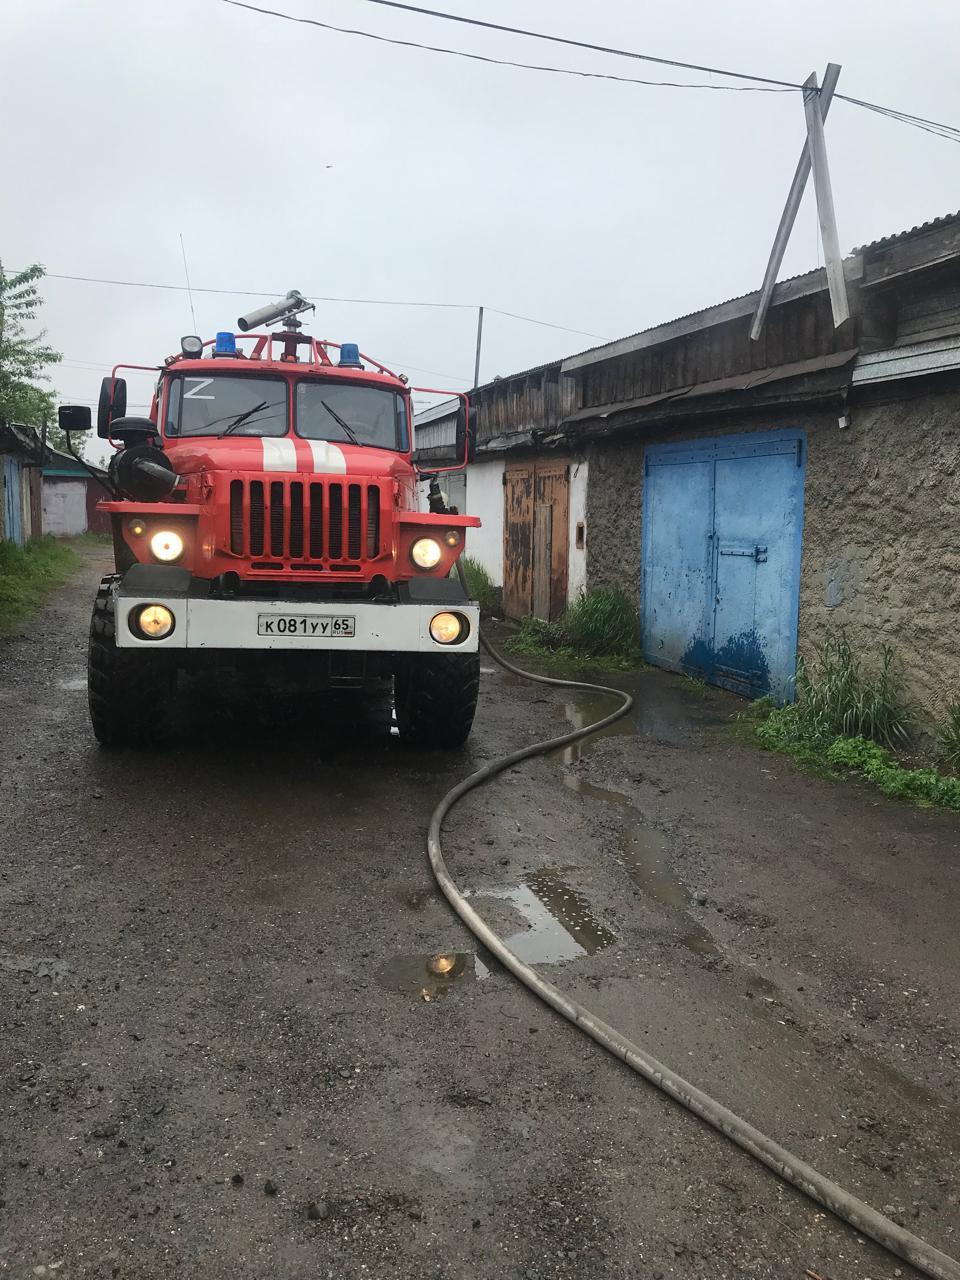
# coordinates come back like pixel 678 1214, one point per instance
pixel 817 146
pixel 789 215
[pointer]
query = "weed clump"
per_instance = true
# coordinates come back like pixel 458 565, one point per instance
pixel 480 586
pixel 850 715
pixel 873 762
pixel 600 624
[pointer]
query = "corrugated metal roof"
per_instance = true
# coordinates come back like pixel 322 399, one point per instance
pixel 942 355
pixel 933 225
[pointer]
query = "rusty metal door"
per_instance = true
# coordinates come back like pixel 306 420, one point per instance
pixel 536 508
pixel 551 499
pixel 518 540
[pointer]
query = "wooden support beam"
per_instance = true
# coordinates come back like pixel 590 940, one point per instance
pixel 789 215
pixel 817 146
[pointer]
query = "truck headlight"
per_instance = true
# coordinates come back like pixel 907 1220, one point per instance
pixel 449 628
pixel 153 622
pixel 425 553
pixel 166 545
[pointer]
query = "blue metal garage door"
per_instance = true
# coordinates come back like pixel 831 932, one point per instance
pixel 722 530
pixel 11 480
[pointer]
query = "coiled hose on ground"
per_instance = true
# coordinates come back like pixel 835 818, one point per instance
pixel 783 1163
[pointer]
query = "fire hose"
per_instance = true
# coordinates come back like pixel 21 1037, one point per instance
pixel 790 1168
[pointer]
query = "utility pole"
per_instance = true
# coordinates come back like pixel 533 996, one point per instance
pixel 789 215
pixel 476 367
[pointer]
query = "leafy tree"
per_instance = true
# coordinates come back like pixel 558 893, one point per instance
pixel 25 357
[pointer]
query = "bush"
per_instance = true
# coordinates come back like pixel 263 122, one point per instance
pixel 28 573
pixel 948 738
pixel 479 585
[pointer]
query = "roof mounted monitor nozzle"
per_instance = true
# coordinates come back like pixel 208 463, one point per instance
pixel 286 309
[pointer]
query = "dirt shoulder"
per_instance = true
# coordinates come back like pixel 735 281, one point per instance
pixel 217 1007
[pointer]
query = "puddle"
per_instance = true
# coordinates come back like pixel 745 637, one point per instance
pixel 429 977
pixel 76 684
pixel 561 925
pixel 662 709
pixel 645 857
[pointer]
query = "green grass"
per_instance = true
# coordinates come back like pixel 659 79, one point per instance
pixel 89 540
pixel 599 628
pixel 948 738
pixel 28 574
pixel 480 587
pixel 849 716
pixel 877 765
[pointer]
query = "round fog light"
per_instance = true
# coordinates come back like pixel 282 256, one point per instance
pixel 425 553
pixel 154 621
pixel 167 545
pixel 452 538
pixel 448 628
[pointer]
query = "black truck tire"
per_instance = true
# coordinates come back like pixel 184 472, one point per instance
pixel 130 691
pixel 435 697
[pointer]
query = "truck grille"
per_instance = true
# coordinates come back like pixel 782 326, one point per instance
pixel 293 524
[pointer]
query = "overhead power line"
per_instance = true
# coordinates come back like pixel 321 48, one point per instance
pixel 580 44
pixel 932 126
pixel 764 86
pixel 948 131
pixel 316 297
pixel 759 84
pixel 255 293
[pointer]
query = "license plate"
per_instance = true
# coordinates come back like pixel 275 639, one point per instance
pixel 310 625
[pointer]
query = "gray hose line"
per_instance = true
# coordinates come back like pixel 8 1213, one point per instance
pixel 785 1165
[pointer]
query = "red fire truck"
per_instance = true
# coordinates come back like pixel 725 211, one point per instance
pixel 265 516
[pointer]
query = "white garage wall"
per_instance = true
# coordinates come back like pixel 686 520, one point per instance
pixel 577 557
pixel 64 506
pixel 485 499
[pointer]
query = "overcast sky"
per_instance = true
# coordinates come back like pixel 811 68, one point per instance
pixel 291 157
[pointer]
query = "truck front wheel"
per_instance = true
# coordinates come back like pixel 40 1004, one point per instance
pixel 130 691
pixel 435 697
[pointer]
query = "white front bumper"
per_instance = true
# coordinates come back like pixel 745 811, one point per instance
pixel 233 624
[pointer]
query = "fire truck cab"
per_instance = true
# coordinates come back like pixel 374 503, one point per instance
pixel 265 516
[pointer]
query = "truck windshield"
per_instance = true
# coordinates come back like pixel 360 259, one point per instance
pixel 224 405
pixel 343 411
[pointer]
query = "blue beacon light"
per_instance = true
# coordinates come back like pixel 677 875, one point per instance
pixel 226 344
pixel 349 356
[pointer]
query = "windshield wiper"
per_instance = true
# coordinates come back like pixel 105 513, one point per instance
pixel 347 430
pixel 241 418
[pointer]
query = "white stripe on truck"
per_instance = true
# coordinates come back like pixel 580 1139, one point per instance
pixel 279 455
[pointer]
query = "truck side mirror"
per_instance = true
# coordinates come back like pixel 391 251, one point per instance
pixel 466 437
pixel 113 404
pixel 74 417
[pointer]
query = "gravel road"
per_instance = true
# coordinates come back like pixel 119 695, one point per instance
pixel 241 1034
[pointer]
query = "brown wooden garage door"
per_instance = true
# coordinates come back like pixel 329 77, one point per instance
pixel 535 531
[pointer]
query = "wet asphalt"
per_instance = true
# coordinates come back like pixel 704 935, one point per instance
pixel 241 1034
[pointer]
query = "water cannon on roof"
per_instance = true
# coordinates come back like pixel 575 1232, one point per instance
pixel 286 309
